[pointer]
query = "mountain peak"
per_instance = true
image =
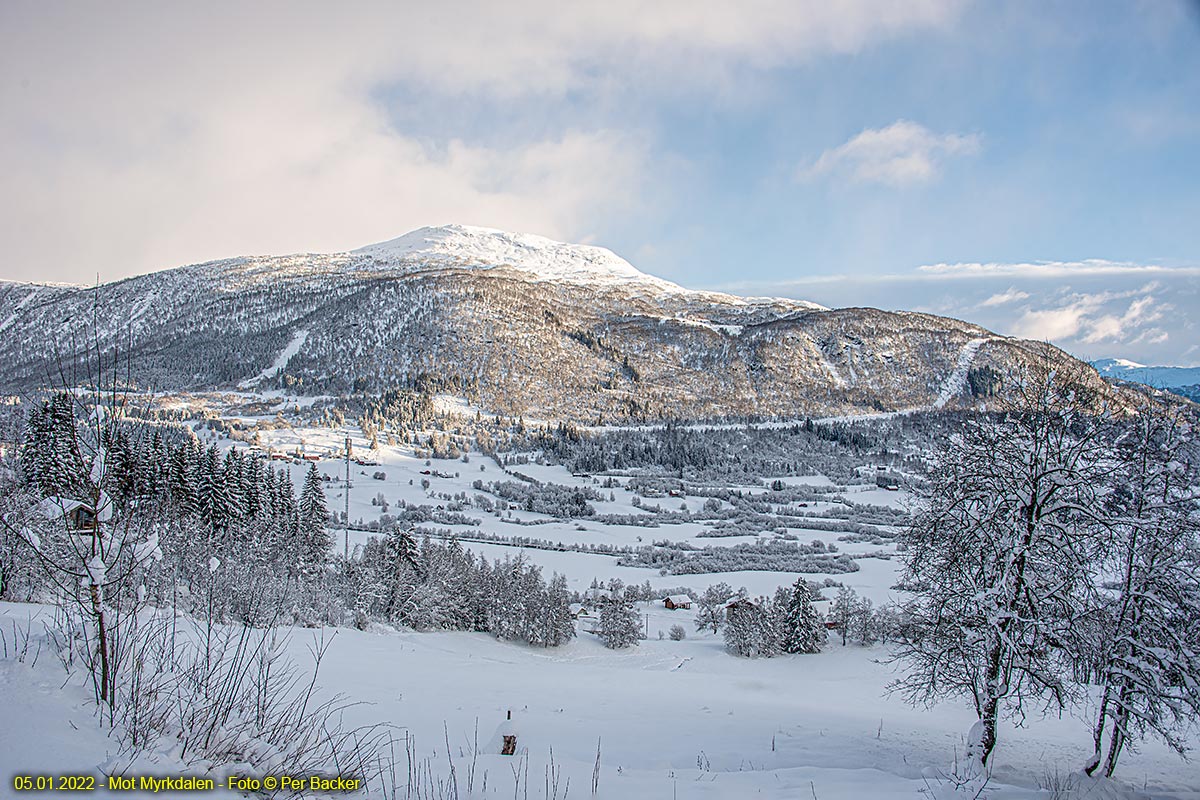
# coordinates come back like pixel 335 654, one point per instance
pixel 1106 365
pixel 472 247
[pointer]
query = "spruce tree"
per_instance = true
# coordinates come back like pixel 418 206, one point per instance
pixel 65 463
pixel 182 480
pixel 803 630
pixel 35 454
pixel 231 486
pixel 312 514
pixel 208 504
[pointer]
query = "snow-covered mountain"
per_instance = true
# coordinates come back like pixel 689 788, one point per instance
pixel 519 324
pixel 1158 377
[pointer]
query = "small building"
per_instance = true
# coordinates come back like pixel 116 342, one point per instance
pixel 77 515
pixel 597 595
pixel 578 610
pixel 823 607
pixel 677 601
pixel 81 517
pixel 504 740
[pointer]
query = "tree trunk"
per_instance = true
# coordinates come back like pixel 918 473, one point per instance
pixel 102 634
pixel 987 742
pixel 1098 733
pixel 1117 743
pixel 990 709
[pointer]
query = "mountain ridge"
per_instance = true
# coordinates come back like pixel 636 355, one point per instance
pixel 520 325
pixel 1158 377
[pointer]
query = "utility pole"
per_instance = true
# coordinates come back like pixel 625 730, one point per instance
pixel 346 521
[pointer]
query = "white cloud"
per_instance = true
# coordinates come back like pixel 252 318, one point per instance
pixel 1010 295
pixel 1050 324
pixel 1093 318
pixel 1110 327
pixel 1053 269
pixel 901 154
pixel 134 137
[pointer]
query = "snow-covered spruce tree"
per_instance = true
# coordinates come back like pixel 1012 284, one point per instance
pixel 801 628
pixel 1147 640
pixel 750 628
pixel 996 558
pixel 312 515
pixel 395 564
pixel 620 624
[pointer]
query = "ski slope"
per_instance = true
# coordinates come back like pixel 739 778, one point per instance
pixel 281 361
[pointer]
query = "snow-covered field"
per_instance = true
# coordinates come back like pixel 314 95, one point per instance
pixel 672 719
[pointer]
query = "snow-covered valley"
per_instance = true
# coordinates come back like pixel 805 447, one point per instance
pixel 667 718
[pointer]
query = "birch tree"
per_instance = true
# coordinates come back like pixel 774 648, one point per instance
pixel 995 558
pixel 1147 640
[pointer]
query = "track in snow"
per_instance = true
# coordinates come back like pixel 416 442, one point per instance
pixel 279 363
pixel 958 376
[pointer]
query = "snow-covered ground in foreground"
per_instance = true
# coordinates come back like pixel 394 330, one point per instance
pixel 673 719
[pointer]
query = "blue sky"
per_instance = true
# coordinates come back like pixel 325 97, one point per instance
pixel 1029 166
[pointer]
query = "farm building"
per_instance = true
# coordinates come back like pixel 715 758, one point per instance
pixel 677 601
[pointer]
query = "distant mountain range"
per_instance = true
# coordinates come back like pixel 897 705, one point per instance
pixel 517 324
pixel 1180 380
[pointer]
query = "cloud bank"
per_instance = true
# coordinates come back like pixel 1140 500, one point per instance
pixel 138 135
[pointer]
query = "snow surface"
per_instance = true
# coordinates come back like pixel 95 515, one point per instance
pixel 487 248
pixel 673 719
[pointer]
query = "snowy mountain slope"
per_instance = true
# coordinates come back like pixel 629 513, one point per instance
pixel 517 324
pixel 543 259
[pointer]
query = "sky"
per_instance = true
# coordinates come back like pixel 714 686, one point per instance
pixel 1032 167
